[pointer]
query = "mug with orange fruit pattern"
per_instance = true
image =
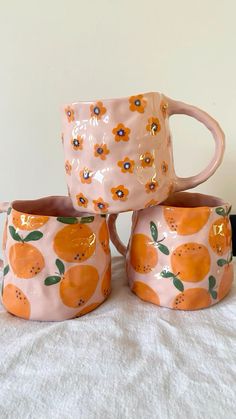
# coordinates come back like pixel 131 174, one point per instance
pixel 118 152
pixel 57 262
pixel 180 252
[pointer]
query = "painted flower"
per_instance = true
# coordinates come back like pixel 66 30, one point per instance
pixel 164 107
pixel 119 192
pixel 97 110
pixel 151 203
pixel 86 175
pixel 70 113
pixel 121 133
pixel 164 167
pixel 151 186
pixel 68 167
pixel 100 205
pixel 147 159
pixel 137 103
pixel 101 150
pixel 77 143
pixel 126 165
pixel 153 125
pixel 82 201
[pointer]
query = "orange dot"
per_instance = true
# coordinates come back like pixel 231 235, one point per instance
pixel 191 262
pixel 145 292
pixel 143 255
pixel 28 222
pixel 78 285
pixel 26 260
pixel 75 243
pixel 220 236
pixel 226 281
pixel 16 302
pixel 192 299
pixel 4 238
pixel 186 221
pixel 87 309
pixel 104 237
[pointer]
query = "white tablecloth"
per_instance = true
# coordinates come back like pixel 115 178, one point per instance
pixel 128 359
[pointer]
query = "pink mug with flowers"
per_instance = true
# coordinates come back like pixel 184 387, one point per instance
pixel 118 152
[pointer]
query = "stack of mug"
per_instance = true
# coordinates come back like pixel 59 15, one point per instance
pixel 118 157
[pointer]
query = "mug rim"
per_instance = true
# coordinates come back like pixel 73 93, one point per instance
pixel 105 100
pixel 209 201
pixel 53 199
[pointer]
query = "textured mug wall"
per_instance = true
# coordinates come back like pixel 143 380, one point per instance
pixel 57 52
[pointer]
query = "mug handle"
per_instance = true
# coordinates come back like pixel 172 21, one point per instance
pixel 122 249
pixel 176 107
pixel 3 208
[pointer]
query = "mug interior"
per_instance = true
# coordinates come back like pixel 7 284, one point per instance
pixel 192 200
pixel 53 206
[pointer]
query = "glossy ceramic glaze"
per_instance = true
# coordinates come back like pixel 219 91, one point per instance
pixel 56 262
pixel 180 253
pixel 118 153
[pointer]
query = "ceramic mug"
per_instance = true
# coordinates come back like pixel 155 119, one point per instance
pixel 180 252
pixel 57 261
pixel 118 153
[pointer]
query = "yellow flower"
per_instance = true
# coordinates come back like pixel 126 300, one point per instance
pixel 164 167
pixel 164 108
pixel 82 201
pixel 100 205
pixel 137 103
pixel 151 186
pixel 147 159
pixel 77 143
pixel 121 132
pixel 86 175
pixel 97 110
pixel 70 113
pixel 151 203
pixel 153 125
pixel 119 193
pixel 101 150
pixel 126 165
pixel 68 167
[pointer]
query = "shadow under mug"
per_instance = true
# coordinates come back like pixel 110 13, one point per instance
pixel 180 252
pixel 118 152
pixel 57 262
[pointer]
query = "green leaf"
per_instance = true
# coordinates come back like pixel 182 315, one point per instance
pixel 154 231
pixel 213 294
pixel 67 220
pixel 60 266
pixel 14 234
pixel 9 211
pixel 178 284
pixel 163 249
pixel 220 211
pixel 212 282
pixel 86 220
pixel 6 270
pixel 221 262
pixel 52 280
pixel 33 236
pixel 167 274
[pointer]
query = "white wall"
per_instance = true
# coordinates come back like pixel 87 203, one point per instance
pixel 57 51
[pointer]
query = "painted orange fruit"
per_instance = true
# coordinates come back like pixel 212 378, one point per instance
pixel 145 292
pixel 4 238
pixel 16 302
pixel 220 236
pixel 106 282
pixel 75 243
pixel 192 299
pixel 143 255
pixel 104 238
pixel 26 260
pixel 28 222
pixel 186 221
pixel 78 285
pixel 226 281
pixel 191 262
pixel 87 309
